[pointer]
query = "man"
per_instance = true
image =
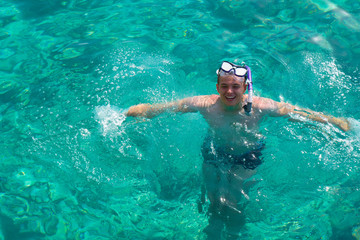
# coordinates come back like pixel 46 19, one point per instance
pixel 232 150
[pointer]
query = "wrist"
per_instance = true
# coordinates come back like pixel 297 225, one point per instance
pixel 343 124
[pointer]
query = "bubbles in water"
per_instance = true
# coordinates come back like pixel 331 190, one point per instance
pixel 131 75
pixel 326 69
pixel 355 127
pixel 110 119
pixel 113 128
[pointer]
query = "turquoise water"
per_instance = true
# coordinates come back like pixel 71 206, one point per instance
pixel 73 167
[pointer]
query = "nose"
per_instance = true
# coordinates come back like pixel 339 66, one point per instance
pixel 230 90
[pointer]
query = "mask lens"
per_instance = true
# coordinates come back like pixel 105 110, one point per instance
pixel 225 66
pixel 240 71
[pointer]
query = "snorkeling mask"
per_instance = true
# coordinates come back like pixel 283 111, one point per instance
pixel 240 71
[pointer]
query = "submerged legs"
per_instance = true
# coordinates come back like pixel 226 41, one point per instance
pixel 227 191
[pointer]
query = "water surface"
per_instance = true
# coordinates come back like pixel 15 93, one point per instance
pixel 73 167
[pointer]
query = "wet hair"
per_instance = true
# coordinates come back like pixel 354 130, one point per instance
pixel 225 74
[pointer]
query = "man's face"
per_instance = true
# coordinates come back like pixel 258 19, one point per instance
pixel 231 89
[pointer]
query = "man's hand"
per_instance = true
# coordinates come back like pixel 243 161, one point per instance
pixel 343 124
pixel 138 110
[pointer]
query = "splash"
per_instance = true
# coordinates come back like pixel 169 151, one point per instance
pixel 355 128
pixel 110 119
pixel 112 126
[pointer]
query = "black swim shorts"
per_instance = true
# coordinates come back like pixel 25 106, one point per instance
pixel 216 155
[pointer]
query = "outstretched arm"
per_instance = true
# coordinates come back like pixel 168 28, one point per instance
pixel 191 104
pixel 283 109
pixel 150 111
pixel 341 123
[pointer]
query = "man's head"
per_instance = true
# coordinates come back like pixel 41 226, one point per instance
pixel 228 68
pixel 231 85
pixel 231 89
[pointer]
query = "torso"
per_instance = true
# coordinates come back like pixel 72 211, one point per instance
pixel 234 131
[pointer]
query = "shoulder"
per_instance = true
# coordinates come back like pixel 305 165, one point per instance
pixel 201 101
pixel 196 103
pixel 262 103
pixel 272 107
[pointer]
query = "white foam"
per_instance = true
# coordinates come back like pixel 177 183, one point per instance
pixel 355 127
pixel 110 119
pixel 114 128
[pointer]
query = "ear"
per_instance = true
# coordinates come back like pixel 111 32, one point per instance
pixel 217 88
pixel 245 85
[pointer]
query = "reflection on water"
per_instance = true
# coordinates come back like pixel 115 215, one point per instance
pixel 72 165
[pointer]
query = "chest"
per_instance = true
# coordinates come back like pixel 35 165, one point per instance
pixel 234 122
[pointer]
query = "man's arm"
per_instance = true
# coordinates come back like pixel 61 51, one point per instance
pixel 341 123
pixel 191 104
pixel 285 109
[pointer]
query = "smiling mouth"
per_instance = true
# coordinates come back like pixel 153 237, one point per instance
pixel 230 98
